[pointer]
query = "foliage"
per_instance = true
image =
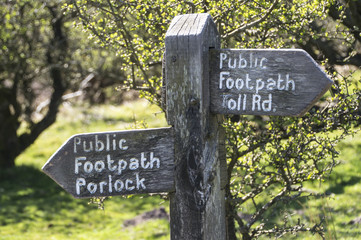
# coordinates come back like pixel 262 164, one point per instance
pixel 33 206
pixel 33 44
pixel 41 58
pixel 269 159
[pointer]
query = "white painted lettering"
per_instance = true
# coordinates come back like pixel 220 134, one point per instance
pixel 114 143
pixel 279 83
pixel 256 102
pixel 230 65
pixel 250 60
pixel 259 85
pixel 118 185
pixel 121 146
pixel 99 145
pixel 290 82
pixel 242 62
pixel 110 183
pixel 127 183
pixel 267 104
pixel 99 166
pixel 271 84
pixel 154 160
pixel 108 143
pixel 107 186
pixel 134 164
pixel 222 78
pixel 122 165
pixel 143 160
pixel 222 57
pixel 80 182
pixel 262 64
pixel 229 83
pixel 77 141
pixel 140 182
pixel 90 147
pixel 244 102
pixel 232 104
pixel 92 187
pixel 239 102
pixel 78 164
pixel 255 62
pixel 88 167
pixel 101 186
pixel 110 163
pixel 239 83
pixel 247 82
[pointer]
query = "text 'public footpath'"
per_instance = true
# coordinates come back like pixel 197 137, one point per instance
pixel 114 170
pixel 259 90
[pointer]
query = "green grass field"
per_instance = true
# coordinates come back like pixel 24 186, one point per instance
pixel 32 206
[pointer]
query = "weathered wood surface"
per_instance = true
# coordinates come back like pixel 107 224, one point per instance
pixel 197 207
pixel 283 82
pixel 115 163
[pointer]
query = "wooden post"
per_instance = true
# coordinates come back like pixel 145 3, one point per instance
pixel 197 207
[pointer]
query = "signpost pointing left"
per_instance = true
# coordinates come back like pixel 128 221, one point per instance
pixel 201 82
pixel 114 163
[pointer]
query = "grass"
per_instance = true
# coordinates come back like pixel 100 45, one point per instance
pixel 339 204
pixel 32 206
pixel 343 190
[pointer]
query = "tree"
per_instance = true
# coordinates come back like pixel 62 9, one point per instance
pixel 41 58
pixel 269 158
pixel 33 45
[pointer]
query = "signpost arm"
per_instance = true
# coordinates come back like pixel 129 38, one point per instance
pixel 197 206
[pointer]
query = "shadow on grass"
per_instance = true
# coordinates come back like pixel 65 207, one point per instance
pixel 27 193
pixel 311 213
pixel 339 186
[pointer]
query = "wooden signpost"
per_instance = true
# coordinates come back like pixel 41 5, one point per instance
pixel 114 163
pixel 197 207
pixel 188 159
pixel 283 82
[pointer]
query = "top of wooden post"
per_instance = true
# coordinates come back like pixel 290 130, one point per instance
pixel 193 34
pixel 190 24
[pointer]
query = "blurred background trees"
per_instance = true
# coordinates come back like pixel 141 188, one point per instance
pixel 34 48
pixel 44 60
pixel 270 159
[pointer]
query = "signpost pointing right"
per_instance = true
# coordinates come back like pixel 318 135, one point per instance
pixel 283 82
pixel 188 160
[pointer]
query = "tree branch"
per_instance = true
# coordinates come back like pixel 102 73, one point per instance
pixel 252 24
pixel 55 56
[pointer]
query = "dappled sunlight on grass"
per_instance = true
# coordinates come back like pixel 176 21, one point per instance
pixel 33 206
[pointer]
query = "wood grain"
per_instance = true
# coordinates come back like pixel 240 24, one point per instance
pixel 197 206
pixel 115 163
pixel 282 82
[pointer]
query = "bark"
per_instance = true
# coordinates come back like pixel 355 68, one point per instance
pixel 8 127
pixel 11 144
pixel 56 55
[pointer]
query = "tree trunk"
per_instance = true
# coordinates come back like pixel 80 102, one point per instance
pixel 56 55
pixel 9 145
